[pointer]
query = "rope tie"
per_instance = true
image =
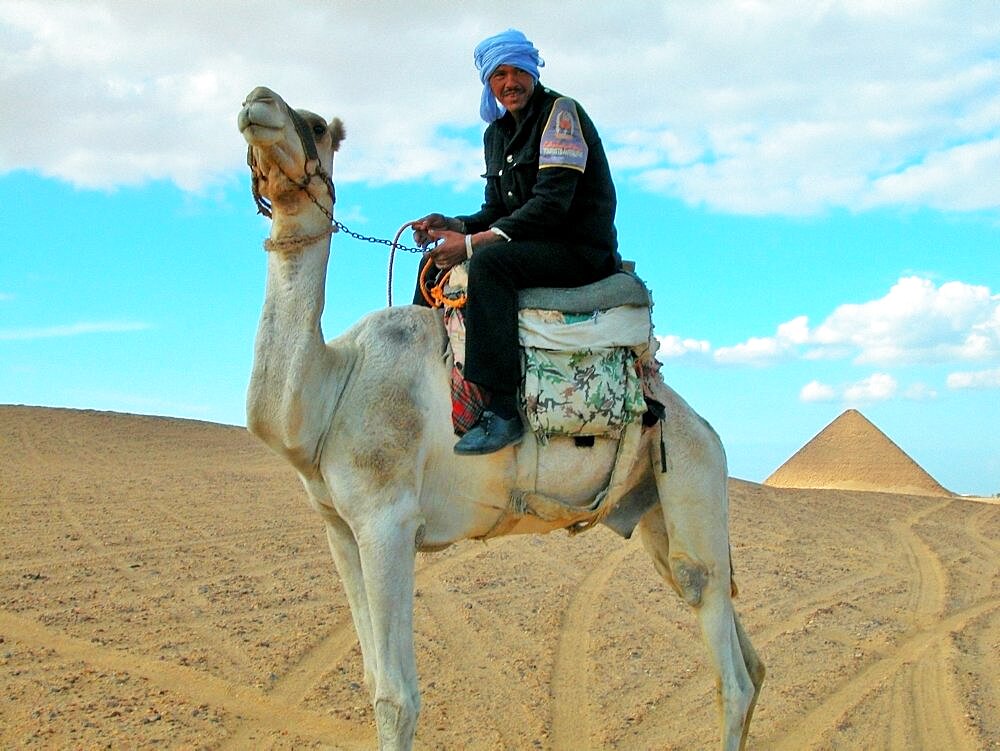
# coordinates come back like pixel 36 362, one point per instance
pixel 435 296
pixel 291 244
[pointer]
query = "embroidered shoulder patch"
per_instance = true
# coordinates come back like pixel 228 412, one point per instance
pixel 562 142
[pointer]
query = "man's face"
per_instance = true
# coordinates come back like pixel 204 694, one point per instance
pixel 512 87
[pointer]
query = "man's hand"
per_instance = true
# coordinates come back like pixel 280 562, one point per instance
pixel 450 251
pixel 422 228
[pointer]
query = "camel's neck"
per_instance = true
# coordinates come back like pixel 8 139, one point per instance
pixel 296 377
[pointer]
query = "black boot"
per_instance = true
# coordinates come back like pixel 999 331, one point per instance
pixel 491 433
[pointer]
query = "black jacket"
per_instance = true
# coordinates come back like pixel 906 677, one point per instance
pixel 559 204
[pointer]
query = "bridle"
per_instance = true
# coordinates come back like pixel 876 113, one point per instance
pixel 308 142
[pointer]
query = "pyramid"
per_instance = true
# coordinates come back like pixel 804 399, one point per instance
pixel 852 454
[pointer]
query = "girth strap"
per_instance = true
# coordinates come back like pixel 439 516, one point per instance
pixel 574 519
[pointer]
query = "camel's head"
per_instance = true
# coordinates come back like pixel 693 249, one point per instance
pixel 290 153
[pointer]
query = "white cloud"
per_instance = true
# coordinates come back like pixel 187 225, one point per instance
pixel 780 107
pixel 962 178
pixel 812 106
pixel 73 329
pixel 919 392
pixel 757 350
pixel 672 347
pixel 814 391
pixel 795 331
pixel 121 93
pixel 915 322
pixel 977 379
pixel 765 350
pixel 877 387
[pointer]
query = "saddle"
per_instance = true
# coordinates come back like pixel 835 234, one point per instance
pixel 584 353
pixel 622 288
pixel 583 349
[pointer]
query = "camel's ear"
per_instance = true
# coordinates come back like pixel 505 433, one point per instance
pixel 337 132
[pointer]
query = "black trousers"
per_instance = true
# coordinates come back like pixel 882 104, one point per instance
pixel 496 273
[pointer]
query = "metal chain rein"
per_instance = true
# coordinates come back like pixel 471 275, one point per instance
pixel 377 240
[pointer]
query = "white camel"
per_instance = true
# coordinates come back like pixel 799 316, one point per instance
pixel 365 419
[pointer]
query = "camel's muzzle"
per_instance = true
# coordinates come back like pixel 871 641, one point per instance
pixel 264 109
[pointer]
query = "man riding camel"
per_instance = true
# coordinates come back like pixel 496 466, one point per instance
pixel 547 221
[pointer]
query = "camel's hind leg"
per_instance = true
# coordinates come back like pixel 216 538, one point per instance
pixel 688 540
pixel 755 668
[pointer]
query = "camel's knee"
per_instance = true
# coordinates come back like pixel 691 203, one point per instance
pixel 396 721
pixel 689 578
pixel 685 576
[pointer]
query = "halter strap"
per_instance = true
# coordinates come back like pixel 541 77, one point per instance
pixel 308 142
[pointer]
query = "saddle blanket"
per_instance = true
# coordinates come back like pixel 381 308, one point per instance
pixel 581 372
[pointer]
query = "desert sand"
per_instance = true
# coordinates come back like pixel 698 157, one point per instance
pixel 163 584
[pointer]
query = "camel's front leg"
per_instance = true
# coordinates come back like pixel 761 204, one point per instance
pixel 344 548
pixel 387 544
pixel 346 557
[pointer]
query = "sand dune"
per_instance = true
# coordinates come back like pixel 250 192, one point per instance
pixel 163 584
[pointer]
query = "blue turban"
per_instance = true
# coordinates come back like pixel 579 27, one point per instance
pixel 509 47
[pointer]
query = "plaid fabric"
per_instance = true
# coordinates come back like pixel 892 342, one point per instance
pixel 467 399
pixel 467 402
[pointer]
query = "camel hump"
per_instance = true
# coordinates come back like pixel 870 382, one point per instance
pixel 623 288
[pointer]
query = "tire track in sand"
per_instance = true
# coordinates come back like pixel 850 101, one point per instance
pixel 988 541
pixel 465 640
pixel 143 583
pixel 452 615
pixel 331 651
pixel 824 719
pixel 938 712
pixel 917 668
pixel 696 689
pixel 913 704
pixel 571 667
pixel 241 701
pixel 927 597
pixel 292 688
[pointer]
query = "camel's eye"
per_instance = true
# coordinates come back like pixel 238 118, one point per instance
pixel 319 130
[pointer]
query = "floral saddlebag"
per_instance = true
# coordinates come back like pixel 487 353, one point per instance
pixel 586 392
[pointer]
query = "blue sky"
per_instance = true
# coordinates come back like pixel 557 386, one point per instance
pixel 810 189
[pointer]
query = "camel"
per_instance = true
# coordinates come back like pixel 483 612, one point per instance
pixel 365 419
